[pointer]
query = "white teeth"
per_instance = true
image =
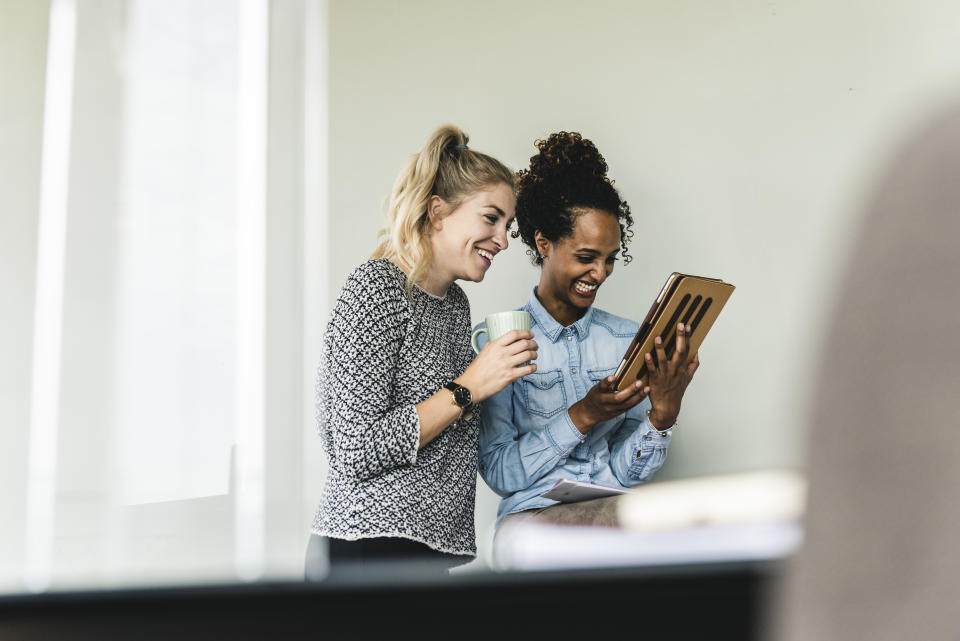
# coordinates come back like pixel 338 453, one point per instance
pixel 584 288
pixel 485 254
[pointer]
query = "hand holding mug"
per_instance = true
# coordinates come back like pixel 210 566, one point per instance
pixel 496 325
pixel 507 356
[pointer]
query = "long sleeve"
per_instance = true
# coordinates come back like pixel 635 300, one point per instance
pixel 637 448
pixel 365 433
pixel 387 348
pixel 509 461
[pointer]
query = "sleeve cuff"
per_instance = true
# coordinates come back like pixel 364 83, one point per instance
pixel 415 436
pixel 649 455
pixel 563 434
pixel 651 437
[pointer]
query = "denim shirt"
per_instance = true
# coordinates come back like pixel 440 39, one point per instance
pixel 527 440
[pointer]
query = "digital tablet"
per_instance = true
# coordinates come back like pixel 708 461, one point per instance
pixel 686 299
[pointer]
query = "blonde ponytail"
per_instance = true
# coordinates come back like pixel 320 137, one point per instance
pixel 447 168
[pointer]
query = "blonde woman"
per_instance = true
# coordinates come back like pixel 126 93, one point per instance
pixel 398 382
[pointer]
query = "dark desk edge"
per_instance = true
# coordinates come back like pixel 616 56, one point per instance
pixel 720 600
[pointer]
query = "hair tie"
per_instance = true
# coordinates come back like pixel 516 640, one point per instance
pixel 461 147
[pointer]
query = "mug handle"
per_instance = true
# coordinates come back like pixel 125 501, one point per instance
pixel 473 337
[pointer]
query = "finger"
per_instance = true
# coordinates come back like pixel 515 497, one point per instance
pixel 661 352
pixel 522 345
pixel 513 336
pixel 680 353
pixel 629 398
pixel 693 364
pixel 522 356
pixel 529 355
pixel 629 395
pixel 519 372
pixel 611 383
pixel 605 385
pixel 651 368
pixel 606 393
pixel 633 396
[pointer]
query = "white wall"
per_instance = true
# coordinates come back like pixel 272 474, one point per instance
pixel 743 135
pixel 23 29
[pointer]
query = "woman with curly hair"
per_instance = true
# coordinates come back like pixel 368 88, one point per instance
pixel 565 420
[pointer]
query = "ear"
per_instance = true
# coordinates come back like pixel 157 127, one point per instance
pixel 436 206
pixel 544 246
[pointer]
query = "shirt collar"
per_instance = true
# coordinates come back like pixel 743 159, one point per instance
pixel 551 328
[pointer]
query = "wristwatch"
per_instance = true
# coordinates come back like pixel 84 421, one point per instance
pixel 462 398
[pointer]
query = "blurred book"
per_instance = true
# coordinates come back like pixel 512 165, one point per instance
pixel 749 497
pixel 751 516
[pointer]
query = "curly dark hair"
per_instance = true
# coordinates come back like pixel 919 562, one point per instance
pixel 566 177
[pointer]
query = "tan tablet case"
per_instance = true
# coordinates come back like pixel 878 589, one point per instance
pixel 686 299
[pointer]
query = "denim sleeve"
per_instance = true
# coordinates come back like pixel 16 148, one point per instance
pixel 637 448
pixel 509 461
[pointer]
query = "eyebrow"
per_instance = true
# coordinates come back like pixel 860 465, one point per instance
pixel 595 252
pixel 502 214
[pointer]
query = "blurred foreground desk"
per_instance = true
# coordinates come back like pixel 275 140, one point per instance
pixel 701 560
pixel 714 601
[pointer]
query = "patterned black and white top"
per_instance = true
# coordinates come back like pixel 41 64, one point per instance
pixel 383 353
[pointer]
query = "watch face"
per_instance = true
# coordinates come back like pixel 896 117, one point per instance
pixel 462 396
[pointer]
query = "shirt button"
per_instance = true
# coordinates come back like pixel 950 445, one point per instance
pixel 569 337
pixel 573 371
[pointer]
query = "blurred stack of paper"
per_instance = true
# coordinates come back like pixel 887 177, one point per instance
pixel 752 497
pixel 743 517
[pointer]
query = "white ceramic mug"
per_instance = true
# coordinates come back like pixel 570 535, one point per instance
pixel 496 325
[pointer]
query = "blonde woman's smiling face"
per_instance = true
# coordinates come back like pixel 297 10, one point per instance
pixel 468 239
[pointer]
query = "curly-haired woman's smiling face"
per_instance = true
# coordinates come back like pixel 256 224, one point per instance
pixel 575 266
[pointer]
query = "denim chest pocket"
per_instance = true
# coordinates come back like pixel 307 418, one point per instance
pixel 542 393
pixel 597 375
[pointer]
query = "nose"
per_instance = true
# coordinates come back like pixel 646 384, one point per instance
pixel 500 239
pixel 600 272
